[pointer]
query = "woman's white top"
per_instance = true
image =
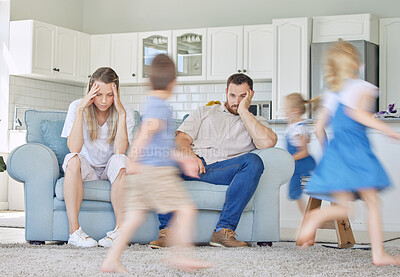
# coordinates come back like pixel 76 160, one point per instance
pixel 97 152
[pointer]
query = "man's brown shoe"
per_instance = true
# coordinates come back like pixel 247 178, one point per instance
pixel 226 238
pixel 162 240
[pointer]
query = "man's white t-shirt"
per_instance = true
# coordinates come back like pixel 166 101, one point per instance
pixel 96 152
pixel 217 134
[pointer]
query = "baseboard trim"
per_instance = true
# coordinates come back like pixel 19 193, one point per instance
pixel 3 206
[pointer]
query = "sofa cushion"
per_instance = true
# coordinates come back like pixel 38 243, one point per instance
pixel 51 131
pixel 98 190
pixel 33 119
pixel 206 196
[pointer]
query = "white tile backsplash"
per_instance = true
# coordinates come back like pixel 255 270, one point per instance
pixel 28 93
pixel 43 95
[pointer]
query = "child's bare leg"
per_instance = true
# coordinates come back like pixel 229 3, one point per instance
pixel 131 223
pixel 315 218
pixel 301 205
pixel 379 256
pixel 182 224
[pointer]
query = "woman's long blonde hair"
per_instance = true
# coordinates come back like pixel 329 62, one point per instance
pixel 296 100
pixel 106 75
pixel 342 61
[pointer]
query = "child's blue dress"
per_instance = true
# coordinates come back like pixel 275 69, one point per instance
pixel 348 163
pixel 303 167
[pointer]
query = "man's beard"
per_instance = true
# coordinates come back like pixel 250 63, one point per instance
pixel 229 108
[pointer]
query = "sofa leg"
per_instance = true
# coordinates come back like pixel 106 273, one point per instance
pixel 36 242
pixel 264 243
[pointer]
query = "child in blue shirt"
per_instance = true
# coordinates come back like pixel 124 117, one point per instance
pixel 153 180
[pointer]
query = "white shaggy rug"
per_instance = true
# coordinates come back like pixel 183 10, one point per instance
pixel 282 259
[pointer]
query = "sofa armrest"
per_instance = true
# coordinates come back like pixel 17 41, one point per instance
pixel 36 165
pixel 278 169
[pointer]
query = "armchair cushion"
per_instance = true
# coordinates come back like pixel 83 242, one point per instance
pixel 51 131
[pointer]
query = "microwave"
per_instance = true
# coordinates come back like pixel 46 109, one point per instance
pixel 262 109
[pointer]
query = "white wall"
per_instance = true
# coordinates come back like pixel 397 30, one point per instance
pixel 103 16
pixel 63 13
pixel 4 98
pixel 4 82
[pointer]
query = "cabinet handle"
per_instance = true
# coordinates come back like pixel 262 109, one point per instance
pixel 244 70
pixel 89 76
pixel 239 71
pixel 133 74
pixel 54 69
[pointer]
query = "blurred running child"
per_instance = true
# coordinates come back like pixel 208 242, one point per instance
pixel 153 180
pixel 297 138
pixel 349 168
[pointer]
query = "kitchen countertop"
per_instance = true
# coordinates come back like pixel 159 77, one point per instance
pixel 312 120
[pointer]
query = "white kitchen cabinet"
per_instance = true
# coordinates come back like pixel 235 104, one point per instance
pixel 389 62
pixel 346 27
pixel 43 50
pixel 43 42
pixel 83 57
pixel 235 49
pixel 224 52
pixel 100 51
pixel 152 44
pixel 124 57
pixel 66 53
pixel 189 54
pixel 291 59
pixel 257 51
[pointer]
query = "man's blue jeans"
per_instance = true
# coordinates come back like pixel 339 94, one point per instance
pixel 242 175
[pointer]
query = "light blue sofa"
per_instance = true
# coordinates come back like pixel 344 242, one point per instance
pixel 36 165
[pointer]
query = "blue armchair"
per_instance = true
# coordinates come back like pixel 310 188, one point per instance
pixel 36 165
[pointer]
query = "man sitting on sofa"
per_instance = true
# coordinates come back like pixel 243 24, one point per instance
pixel 221 137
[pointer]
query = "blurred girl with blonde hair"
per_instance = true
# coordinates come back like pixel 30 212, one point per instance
pixel 348 169
pixel 297 138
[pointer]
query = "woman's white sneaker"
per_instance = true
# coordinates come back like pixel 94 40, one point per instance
pixel 80 239
pixel 108 240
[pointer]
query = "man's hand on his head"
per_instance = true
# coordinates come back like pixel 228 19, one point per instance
pixel 244 105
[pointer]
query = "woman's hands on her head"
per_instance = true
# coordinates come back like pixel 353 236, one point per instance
pixel 117 102
pixel 89 97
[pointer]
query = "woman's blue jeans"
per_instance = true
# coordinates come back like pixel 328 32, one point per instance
pixel 242 175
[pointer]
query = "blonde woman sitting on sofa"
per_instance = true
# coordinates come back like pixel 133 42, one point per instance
pixel 98 128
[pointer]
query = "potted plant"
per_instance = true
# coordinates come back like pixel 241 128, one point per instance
pixel 3 166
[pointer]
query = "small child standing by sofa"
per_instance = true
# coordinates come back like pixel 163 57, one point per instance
pixel 153 180
pixel 297 138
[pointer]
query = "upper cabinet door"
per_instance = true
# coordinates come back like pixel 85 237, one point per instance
pixel 189 54
pixel 83 57
pixel 292 38
pixel 43 48
pixel 258 51
pixel 389 62
pixel 152 44
pixel 346 27
pixel 66 53
pixel 124 57
pixel 100 46
pixel 224 52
